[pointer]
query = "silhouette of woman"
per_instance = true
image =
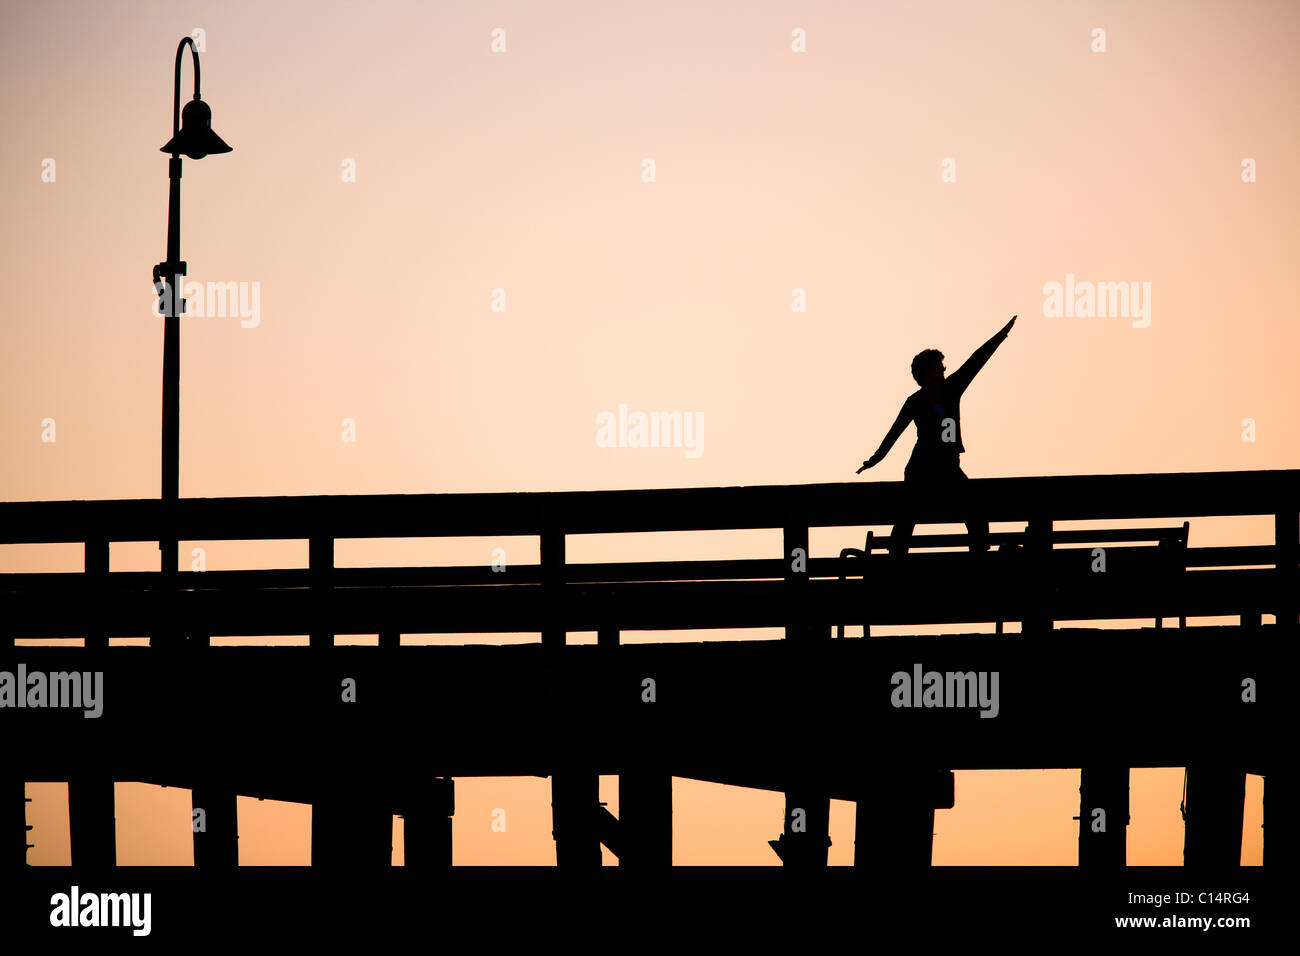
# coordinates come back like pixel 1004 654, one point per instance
pixel 934 470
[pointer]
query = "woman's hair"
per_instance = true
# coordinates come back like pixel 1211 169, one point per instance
pixel 923 362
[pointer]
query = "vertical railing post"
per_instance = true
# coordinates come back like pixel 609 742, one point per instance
pixel 1037 585
pixel 320 558
pixel 96 567
pixel 795 560
pixel 552 556
pixel 166 632
pixel 1286 540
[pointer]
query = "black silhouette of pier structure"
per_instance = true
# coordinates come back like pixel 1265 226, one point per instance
pixel 810 715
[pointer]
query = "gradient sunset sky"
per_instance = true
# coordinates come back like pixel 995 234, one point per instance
pixel 780 177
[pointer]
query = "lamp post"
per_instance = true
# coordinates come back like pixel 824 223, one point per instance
pixel 193 137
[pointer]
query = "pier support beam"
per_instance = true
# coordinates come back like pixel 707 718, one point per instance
pixel 13 793
pixel 895 817
pixel 1103 816
pixel 806 839
pixel 1279 819
pixel 92 822
pixel 1286 538
pixel 645 818
pixel 1214 812
pixel 217 844
pixel 575 817
pixel 1279 786
pixel 893 833
pixel 351 826
pixel 428 824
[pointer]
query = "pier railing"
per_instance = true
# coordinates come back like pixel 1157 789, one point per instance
pixel 1048 581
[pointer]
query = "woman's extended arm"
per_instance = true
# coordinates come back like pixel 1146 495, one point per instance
pixel 960 379
pixel 895 430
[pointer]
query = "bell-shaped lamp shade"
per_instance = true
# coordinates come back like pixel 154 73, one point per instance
pixel 196 138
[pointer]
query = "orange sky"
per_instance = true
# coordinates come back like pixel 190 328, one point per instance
pixel 522 171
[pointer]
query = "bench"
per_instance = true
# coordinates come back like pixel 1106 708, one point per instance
pixel 1171 550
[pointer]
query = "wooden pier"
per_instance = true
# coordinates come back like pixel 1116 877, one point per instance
pixel 813 716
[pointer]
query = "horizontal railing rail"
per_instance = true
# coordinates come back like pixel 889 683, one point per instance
pixel 747 569
pixel 1056 498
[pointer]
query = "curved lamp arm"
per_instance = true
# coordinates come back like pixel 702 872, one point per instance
pixel 176 100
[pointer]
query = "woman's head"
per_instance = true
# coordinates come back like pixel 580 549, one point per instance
pixel 927 367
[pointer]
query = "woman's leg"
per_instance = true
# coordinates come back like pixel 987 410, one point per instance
pixel 977 529
pixel 915 477
pixel 900 536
